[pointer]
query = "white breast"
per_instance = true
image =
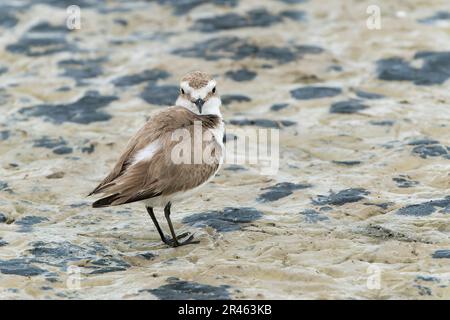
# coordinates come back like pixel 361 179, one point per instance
pixel 218 133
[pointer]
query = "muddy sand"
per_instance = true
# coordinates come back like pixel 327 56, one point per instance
pixel 359 208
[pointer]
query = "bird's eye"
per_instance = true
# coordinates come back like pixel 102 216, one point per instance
pixel 182 91
pixel 214 90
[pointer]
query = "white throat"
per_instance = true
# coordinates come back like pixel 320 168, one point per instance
pixel 211 106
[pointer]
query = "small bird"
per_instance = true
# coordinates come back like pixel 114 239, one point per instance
pixel 148 171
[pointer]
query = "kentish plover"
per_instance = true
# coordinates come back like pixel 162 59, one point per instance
pixel 147 172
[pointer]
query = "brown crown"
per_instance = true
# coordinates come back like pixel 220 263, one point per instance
pixel 197 79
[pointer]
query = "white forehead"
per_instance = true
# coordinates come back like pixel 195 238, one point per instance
pixel 200 92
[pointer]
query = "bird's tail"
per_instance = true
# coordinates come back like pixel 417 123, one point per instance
pixel 105 202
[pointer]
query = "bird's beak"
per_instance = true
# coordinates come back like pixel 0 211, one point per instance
pixel 199 103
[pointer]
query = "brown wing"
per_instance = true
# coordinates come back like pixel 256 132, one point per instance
pixel 119 167
pixel 130 182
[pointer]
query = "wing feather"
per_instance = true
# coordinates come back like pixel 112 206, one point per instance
pixel 134 181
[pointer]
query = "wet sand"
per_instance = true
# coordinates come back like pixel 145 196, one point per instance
pixel 363 186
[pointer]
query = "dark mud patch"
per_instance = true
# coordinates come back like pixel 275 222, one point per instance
pixel 382 205
pixel 425 208
pixel 4 135
pixel 348 163
pixel 426 147
pixel 49 143
pixel 151 75
pixel 335 68
pixel 427 279
pixel 382 123
pixel 307 93
pixel 237 49
pixel 279 106
pixel 83 111
pixel 60 254
pixel 58 145
pixel 5 187
pixel 103 270
pixel 230 219
pixel 80 70
pixel 90 148
pixel 312 216
pixel 147 255
pixel 348 107
pixel 425 151
pixel 423 291
pixel 235 167
pixel 161 95
pixel 121 22
pixel 20 267
pixel 63 150
pixel 441 254
pixel 404 181
pixel 295 15
pixel 26 223
pixel 241 75
pixel 368 95
pixel 185 6
pixel 252 18
pixel 435 68
pixel 7 17
pixel 438 16
pixel 63 89
pixel 43 39
pixel 383 233
pixel 342 197
pixel 228 99
pixel 281 190
pixel 422 141
pixel 264 123
pixel 66 3
pixel 187 290
pixel 56 175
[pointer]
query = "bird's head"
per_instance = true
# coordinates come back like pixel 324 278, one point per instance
pixel 198 93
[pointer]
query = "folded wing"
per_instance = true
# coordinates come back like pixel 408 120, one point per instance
pixel 147 169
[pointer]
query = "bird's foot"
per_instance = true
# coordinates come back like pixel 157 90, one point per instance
pixel 175 243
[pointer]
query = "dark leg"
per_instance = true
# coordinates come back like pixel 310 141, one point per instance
pixel 175 242
pixel 164 239
pixel 155 222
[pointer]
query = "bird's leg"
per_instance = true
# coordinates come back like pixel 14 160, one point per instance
pixel 169 222
pixel 175 242
pixel 164 239
pixel 155 222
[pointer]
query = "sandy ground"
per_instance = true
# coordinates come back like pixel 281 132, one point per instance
pixel 359 208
